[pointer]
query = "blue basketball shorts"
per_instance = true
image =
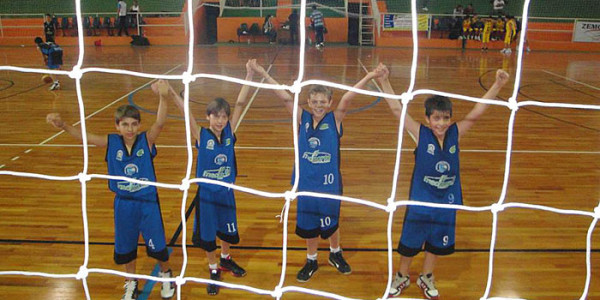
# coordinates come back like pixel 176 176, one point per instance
pixel 215 216
pixel 135 216
pixel 432 229
pixel 317 217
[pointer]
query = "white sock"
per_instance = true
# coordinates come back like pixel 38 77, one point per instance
pixel 336 250
pixel 312 257
pixel 212 266
pixel 225 256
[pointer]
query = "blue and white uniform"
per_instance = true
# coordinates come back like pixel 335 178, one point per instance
pixel 319 149
pixel 136 205
pixel 54 54
pixel 436 179
pixel 216 210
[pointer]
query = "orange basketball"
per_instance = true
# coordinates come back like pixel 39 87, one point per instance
pixel 46 79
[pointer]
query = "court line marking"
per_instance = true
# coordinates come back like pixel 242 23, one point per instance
pixel 572 80
pixel 342 148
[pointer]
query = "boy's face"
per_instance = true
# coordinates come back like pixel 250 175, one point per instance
pixel 128 127
pixel 217 121
pixel 319 104
pixel 439 121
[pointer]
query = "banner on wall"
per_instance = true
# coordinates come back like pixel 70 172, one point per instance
pixel 403 22
pixel 585 31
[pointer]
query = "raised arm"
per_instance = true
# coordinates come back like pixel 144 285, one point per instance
pixel 195 130
pixel 410 124
pixel 342 108
pixel 479 108
pixel 286 97
pixel 242 98
pixel 160 87
pixel 55 120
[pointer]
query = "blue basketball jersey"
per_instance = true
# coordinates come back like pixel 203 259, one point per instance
pixel 436 176
pixel 216 160
pixel 138 164
pixel 319 150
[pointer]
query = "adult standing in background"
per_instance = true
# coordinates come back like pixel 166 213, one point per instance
pixel 122 13
pixel 293 21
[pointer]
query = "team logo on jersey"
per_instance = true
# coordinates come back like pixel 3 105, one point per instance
pixel 140 153
pixel 317 157
pixel 324 127
pixel 314 142
pixel 130 169
pixel 442 166
pixel 453 149
pixel 217 174
pixel 442 182
pixel 119 155
pixel 450 198
pixel 220 159
pixel 210 144
pixel 227 141
pixel 431 149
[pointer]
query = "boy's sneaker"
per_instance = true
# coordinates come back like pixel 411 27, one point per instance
pixel 131 290
pixel 399 284
pixel 338 261
pixel 55 86
pixel 425 282
pixel 227 264
pixel 308 270
pixel 167 289
pixel 213 289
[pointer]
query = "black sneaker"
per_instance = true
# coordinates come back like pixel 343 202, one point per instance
pixel 131 290
pixel 230 265
pixel 338 261
pixel 308 270
pixel 213 289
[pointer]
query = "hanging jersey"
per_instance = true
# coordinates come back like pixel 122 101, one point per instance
pixel 216 160
pixel 138 164
pixel 319 150
pixel 436 176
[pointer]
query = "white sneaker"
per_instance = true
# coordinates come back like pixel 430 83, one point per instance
pixel 131 291
pixel 399 284
pixel 167 289
pixel 425 282
pixel 55 86
pixel 508 51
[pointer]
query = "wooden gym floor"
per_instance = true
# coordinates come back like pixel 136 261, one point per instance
pixel 540 255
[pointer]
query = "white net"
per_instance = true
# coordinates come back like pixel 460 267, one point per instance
pixel 187 77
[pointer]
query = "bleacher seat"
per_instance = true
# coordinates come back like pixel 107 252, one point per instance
pixel 243 31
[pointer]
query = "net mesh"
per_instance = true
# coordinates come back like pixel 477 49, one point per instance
pixel 188 77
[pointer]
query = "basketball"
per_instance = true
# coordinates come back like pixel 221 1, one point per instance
pixel 46 79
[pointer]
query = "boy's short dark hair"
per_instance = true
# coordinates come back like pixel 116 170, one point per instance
pixel 320 89
pixel 38 40
pixel 217 105
pixel 127 111
pixel 48 15
pixel 439 103
pixel 314 6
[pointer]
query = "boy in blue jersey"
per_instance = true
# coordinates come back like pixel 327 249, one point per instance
pixel 319 149
pixel 130 153
pixel 215 204
pixel 53 58
pixel 436 179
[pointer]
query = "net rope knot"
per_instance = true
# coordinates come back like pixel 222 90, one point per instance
pixel 185 185
pixel 597 212
pixel 296 88
pixel 187 78
pixel 289 195
pixel 277 293
pixel 76 73
pixel 391 207
pixel 180 280
pixel 513 104
pixel 405 98
pixel 496 208
pixel 84 177
pixel 82 273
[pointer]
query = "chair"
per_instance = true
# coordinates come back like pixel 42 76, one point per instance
pixel 108 25
pixel 74 26
pixel 87 25
pixel 65 25
pixel 243 31
pixel 255 31
pixel 96 25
